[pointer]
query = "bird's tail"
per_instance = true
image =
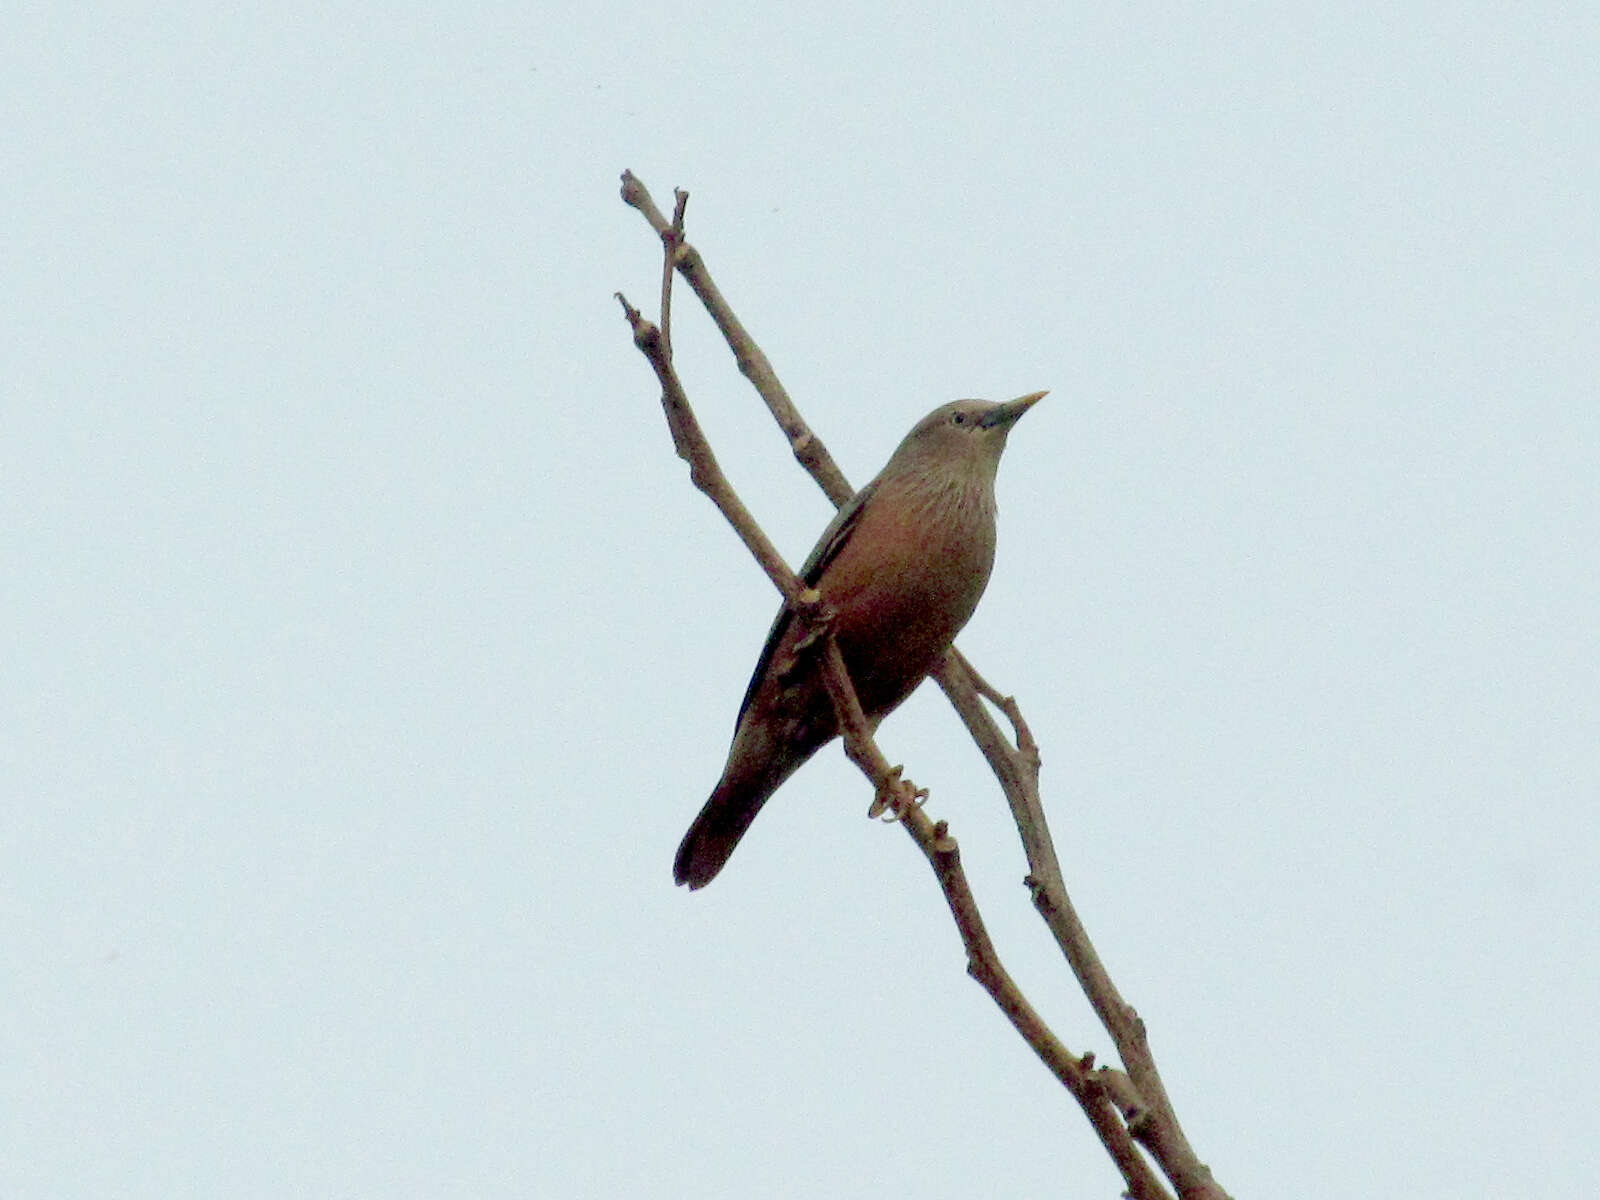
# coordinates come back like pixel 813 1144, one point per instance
pixel 717 830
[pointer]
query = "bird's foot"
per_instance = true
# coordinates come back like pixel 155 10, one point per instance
pixel 896 797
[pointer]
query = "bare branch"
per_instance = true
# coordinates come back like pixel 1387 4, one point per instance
pixel 704 471
pixel 806 446
pixel 1017 769
pixel 983 960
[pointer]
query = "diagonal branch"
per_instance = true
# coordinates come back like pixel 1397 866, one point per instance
pixel 807 447
pixel 1144 1104
pixel 705 472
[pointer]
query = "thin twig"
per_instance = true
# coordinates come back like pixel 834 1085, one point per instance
pixel 705 472
pixel 671 239
pixel 805 445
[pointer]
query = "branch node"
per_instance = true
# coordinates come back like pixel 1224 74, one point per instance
pixel 815 614
pixel 886 799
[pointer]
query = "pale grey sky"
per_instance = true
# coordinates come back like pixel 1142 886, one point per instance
pixel 370 651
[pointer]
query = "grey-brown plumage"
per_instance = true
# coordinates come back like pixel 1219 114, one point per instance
pixel 903 566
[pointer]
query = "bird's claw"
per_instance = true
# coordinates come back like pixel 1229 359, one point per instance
pixel 895 797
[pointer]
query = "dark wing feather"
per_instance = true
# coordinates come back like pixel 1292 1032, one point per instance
pixel 824 552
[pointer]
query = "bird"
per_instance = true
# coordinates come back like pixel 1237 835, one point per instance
pixel 902 565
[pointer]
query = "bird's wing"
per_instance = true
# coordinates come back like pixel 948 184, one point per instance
pixel 824 552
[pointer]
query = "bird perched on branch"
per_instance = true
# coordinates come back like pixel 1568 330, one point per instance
pixel 902 567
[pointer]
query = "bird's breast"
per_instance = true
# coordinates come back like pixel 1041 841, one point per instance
pixel 905 584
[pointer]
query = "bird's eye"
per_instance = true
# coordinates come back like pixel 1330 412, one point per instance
pixel 958 418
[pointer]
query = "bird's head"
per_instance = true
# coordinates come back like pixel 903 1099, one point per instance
pixel 964 435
